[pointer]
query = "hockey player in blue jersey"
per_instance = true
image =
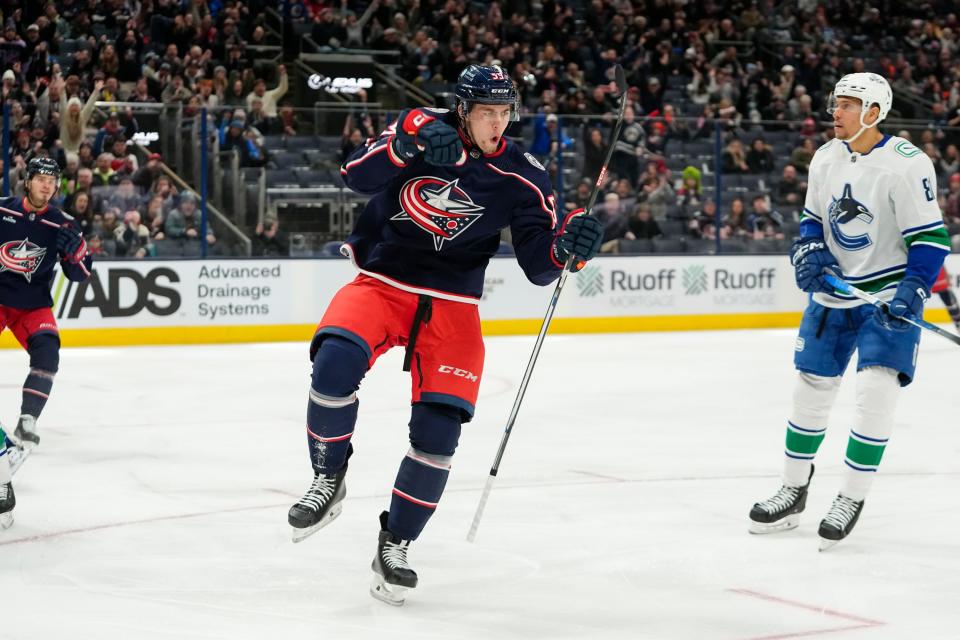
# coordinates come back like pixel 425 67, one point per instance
pixel 442 186
pixel 871 217
pixel 34 237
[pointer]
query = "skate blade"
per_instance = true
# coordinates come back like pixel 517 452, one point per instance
pixel 302 534
pixel 392 594
pixel 826 543
pixel 790 522
pixel 6 520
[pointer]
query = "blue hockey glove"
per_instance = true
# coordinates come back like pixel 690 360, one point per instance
pixel 581 238
pixel 907 302
pixel 420 130
pixel 70 243
pixel 810 259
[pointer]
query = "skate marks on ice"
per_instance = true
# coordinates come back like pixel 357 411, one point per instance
pixel 620 511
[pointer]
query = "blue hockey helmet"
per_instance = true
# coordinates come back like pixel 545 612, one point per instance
pixel 43 166
pixel 481 84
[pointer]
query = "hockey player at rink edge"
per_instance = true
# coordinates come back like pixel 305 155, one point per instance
pixel 871 217
pixel 34 237
pixel 442 186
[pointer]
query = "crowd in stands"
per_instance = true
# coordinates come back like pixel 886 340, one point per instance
pixel 62 57
pixel 755 65
pixel 760 69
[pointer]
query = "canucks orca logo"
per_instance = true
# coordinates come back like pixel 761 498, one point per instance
pixel 21 256
pixel 844 211
pixel 439 207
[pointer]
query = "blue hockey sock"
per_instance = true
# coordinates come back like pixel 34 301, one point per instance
pixel 338 368
pixel 434 433
pixel 36 391
pixel 417 491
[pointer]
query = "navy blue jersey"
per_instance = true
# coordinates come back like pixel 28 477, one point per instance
pixel 28 254
pixel 432 230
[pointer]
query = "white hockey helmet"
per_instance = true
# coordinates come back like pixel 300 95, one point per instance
pixel 870 88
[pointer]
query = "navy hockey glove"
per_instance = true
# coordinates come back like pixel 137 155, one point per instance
pixel 70 243
pixel 420 130
pixel 907 302
pixel 581 238
pixel 811 259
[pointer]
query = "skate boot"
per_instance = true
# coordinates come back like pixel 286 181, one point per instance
pixel 17 456
pixel 839 521
pixel 26 431
pixel 319 506
pixel 392 575
pixel 7 502
pixel 7 498
pixel 781 512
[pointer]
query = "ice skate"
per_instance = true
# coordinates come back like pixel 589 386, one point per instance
pixel 26 432
pixel 11 448
pixel 780 512
pixel 839 521
pixel 392 575
pixel 17 456
pixel 319 506
pixel 8 500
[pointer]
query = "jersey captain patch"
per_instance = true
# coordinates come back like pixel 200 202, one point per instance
pixel 439 207
pixel 849 221
pixel 21 256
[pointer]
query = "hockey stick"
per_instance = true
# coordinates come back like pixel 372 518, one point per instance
pixel 849 289
pixel 621 81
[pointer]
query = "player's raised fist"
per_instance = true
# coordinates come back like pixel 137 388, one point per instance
pixel 421 130
pixel 70 243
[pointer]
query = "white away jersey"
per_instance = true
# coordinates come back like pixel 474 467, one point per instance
pixel 873 207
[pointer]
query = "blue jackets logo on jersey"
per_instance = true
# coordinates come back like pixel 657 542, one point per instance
pixel 21 256
pixel 846 210
pixel 439 207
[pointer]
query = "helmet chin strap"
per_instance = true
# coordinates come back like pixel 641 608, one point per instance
pixel 863 127
pixel 462 117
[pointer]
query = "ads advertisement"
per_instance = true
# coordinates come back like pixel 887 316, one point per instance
pixel 132 302
pixel 199 293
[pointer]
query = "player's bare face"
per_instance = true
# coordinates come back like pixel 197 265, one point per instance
pixel 40 189
pixel 486 124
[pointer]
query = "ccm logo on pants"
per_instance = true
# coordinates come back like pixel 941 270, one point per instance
pixel 460 373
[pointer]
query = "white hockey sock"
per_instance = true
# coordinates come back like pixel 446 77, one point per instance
pixel 4 466
pixel 877 393
pixel 813 398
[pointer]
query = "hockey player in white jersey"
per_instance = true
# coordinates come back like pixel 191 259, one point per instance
pixel 871 217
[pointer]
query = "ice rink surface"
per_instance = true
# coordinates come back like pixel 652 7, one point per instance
pixel 155 506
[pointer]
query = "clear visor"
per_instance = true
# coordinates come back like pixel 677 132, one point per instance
pixel 845 107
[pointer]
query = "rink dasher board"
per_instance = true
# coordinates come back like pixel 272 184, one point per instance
pixel 216 301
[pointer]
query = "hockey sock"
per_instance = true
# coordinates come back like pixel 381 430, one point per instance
pixel 434 433
pixel 877 391
pixel 813 398
pixel 44 350
pixel 4 465
pixel 36 391
pixel 338 368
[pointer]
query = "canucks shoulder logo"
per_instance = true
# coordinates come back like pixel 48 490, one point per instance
pixel 849 221
pixel 439 207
